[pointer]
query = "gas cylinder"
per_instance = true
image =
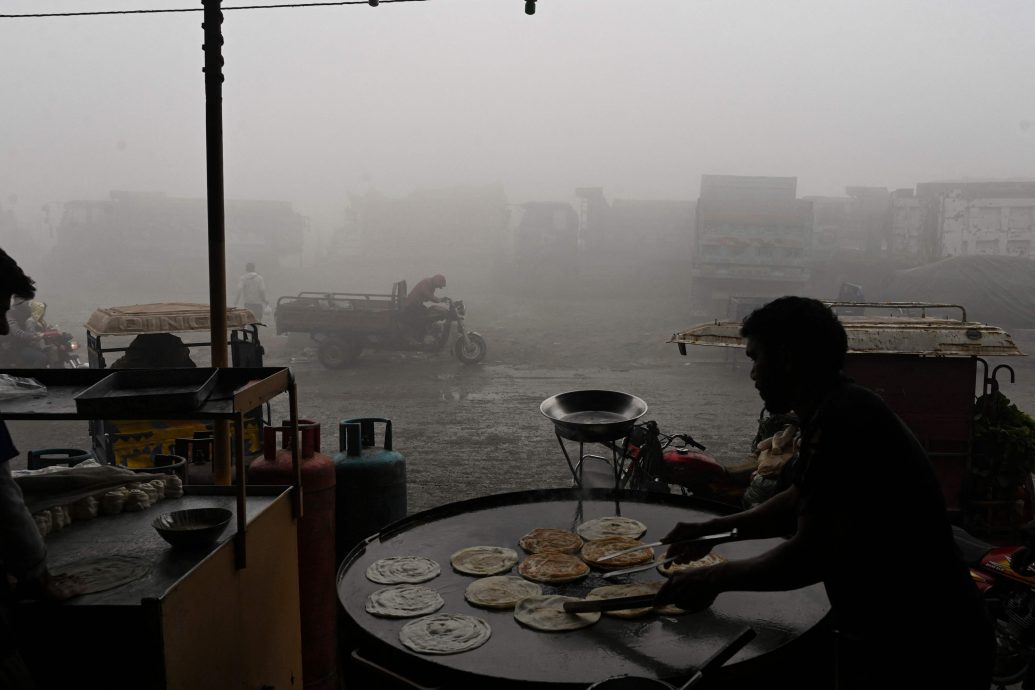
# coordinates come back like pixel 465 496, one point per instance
pixel 316 567
pixel 371 482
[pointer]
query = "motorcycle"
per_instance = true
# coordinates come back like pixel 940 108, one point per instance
pixel 59 348
pixel 469 347
pixel 653 461
pixel 62 349
pixel 1006 579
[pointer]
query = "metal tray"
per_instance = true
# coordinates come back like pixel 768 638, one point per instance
pixel 155 390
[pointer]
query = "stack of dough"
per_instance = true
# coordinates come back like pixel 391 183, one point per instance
pixel 173 486
pixel 85 508
pixel 43 522
pixel 159 486
pixel 113 501
pixel 152 493
pixel 136 500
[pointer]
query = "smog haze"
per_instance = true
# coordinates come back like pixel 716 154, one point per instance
pixel 640 98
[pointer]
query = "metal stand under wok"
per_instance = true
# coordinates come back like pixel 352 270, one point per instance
pixel 615 461
pixel 594 416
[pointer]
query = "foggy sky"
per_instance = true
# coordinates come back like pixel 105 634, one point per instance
pixel 638 96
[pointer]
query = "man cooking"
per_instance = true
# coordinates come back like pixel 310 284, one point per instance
pixel 852 526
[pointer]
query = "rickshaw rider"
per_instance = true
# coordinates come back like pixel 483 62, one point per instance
pixel 415 312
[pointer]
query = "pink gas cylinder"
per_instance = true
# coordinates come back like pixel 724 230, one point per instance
pixel 316 567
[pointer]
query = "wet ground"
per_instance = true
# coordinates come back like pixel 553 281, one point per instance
pixel 472 430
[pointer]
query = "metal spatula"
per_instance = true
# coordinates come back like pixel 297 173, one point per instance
pixel 616 604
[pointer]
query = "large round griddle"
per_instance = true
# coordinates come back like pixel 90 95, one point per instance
pixel 664 647
pixel 592 416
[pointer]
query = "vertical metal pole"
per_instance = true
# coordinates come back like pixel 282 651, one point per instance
pixel 213 48
pixel 296 463
pixel 241 538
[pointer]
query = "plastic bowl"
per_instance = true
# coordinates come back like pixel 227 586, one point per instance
pixel 192 528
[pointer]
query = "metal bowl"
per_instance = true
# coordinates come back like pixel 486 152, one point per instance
pixel 593 416
pixel 192 528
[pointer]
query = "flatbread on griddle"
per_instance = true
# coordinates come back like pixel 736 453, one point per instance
pixel 402 570
pixel 549 539
pixel 500 591
pixel 547 613
pixel 668 569
pixel 445 633
pixel 633 589
pixel 484 560
pixel 613 526
pixel 594 550
pixel 553 568
pixel 106 572
pixel 404 601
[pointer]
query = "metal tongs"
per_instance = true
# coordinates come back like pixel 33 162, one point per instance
pixel 713 539
pixel 710 539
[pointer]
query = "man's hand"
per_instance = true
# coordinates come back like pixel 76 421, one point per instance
pixel 685 553
pixel 692 590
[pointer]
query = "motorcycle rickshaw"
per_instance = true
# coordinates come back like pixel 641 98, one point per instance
pixel 148 336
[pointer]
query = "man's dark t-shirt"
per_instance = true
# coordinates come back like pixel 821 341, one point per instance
pixel 892 572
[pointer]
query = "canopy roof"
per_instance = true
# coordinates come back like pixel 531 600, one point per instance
pixel 165 317
pixel 896 334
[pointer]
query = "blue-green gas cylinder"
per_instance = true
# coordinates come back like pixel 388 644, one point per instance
pixel 370 481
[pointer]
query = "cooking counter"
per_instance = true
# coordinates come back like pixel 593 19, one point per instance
pixel 194 621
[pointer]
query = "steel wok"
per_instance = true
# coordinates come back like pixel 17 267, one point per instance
pixel 593 416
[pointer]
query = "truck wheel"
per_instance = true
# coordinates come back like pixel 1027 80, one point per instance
pixel 472 351
pixel 337 353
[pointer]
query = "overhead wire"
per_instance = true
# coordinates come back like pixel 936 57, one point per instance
pixel 200 9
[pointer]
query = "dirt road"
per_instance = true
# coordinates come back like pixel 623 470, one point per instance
pixel 469 431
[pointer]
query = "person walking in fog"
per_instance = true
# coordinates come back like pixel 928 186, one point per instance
pixel 850 522
pixel 251 289
pixel 23 553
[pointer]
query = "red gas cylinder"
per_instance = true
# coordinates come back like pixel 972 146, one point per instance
pixel 316 568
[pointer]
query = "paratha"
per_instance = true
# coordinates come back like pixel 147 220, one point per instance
pixel 634 589
pixel 402 570
pixel 484 560
pixel 445 633
pixel 500 592
pixel 594 550
pixel 550 539
pixel 553 568
pixel 613 526
pixel 104 573
pixel 547 613
pixel 404 601
pixel 671 568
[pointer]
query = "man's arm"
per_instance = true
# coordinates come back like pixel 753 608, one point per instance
pixel 791 565
pixel 773 518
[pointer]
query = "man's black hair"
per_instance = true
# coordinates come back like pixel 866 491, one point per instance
pixel 13 278
pixel 802 330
